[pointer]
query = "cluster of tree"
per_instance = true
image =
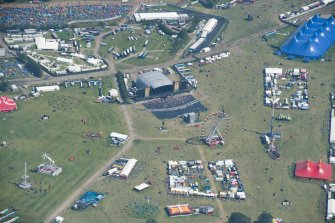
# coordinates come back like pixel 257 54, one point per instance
pixel 238 217
pixel 165 29
pixel 4 85
pixel 32 65
pixel 209 3
pixel 160 25
pixel 194 22
pixel 151 220
pixel 146 23
pixel 179 42
pixel 122 86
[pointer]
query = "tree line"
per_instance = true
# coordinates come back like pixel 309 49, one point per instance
pixel 238 217
pixel 34 67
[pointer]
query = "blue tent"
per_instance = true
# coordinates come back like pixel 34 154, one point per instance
pixel 311 40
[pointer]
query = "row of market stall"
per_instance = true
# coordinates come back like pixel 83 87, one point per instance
pixel 227 174
pixel 187 178
pixel 278 86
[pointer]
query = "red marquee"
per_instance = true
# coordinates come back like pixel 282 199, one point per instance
pixel 315 170
pixel 7 104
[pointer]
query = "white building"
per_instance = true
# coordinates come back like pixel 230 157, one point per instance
pixel 128 168
pixel 29 31
pixel 330 206
pixel 94 61
pixel 210 25
pixel 141 187
pixel 47 88
pixel 113 93
pixel 196 44
pixel 159 15
pixel 326 2
pixel 46 44
pixel 332 130
pixel 274 71
pixel 118 136
pixel 58 219
pixel 74 68
pixel 2 52
pixel 64 60
pixel 14 88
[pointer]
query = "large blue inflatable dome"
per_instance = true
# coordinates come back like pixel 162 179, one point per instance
pixel 311 40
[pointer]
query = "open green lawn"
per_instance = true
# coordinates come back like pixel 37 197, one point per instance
pixel 65 35
pixel 280 37
pixel 60 136
pixel 158 46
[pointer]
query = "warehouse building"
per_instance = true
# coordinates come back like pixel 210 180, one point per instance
pixel 159 15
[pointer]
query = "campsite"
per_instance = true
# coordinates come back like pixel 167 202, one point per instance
pixel 158 46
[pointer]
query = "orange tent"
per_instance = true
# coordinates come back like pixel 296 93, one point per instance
pixel 179 209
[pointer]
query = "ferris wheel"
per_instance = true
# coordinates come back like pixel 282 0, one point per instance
pixel 214 128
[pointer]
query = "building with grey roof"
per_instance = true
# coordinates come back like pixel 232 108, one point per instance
pixel 154 82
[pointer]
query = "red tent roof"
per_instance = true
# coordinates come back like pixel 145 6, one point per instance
pixel 7 104
pixel 316 170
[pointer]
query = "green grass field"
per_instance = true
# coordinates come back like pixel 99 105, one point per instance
pixel 60 136
pixel 158 46
pixel 237 84
pixel 65 35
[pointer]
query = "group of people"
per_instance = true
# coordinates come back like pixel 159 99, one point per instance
pixel 58 15
pixel 169 102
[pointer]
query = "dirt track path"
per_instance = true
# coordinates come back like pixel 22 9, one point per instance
pixel 222 215
pixel 69 201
